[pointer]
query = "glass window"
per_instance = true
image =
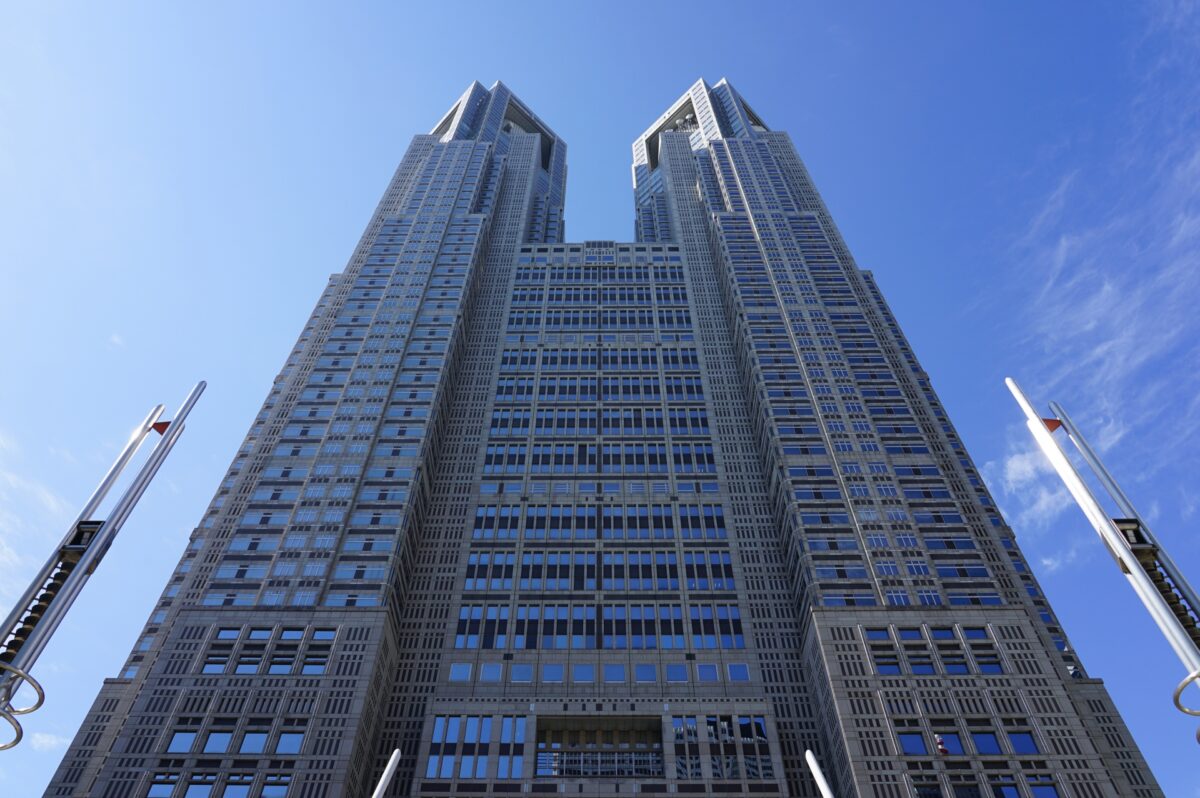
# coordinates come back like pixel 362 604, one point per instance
pixel 1023 743
pixel 160 790
pixel 253 742
pixel 614 672
pixel 289 743
pixel 942 633
pixel 217 742
pixel 974 633
pixel 985 742
pixel 260 634
pixel 676 672
pixel 951 742
pixel 911 634
pixel 198 791
pixel 291 634
pixel 878 634
pixel 236 791
pixel 912 743
pixel 645 672
pixel 521 672
pixel 739 672
pixel 552 672
pixel 181 742
pixel 460 671
pixel 707 672
pixel 583 672
pixel 490 672
pixel 1044 791
pixel 228 633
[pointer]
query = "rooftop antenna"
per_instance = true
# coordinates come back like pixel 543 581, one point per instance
pixel 40 610
pixel 1151 572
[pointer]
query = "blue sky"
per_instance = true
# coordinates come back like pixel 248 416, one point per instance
pixel 177 182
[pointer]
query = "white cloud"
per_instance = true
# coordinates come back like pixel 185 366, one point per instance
pixel 44 741
pixel 1053 563
pixel 1188 503
pixel 27 509
pixel 64 454
pixel 1106 287
pixel 1034 497
pixel 116 340
pixel 30 488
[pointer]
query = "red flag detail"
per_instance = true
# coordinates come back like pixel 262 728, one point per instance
pixel 161 427
pixel 1052 423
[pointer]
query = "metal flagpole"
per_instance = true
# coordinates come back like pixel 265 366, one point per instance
pixel 818 776
pixel 1122 501
pixel 1158 582
pixel 389 773
pixel 29 627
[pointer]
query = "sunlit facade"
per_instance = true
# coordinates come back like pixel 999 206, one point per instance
pixel 602 518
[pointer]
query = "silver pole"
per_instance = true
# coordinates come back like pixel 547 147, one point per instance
pixel 1123 502
pixel 1154 603
pixel 40 637
pixel 817 775
pixel 389 773
pixel 135 441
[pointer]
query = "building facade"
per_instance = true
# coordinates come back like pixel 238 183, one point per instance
pixel 602 518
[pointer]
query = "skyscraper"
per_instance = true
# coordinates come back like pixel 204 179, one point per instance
pixel 602 518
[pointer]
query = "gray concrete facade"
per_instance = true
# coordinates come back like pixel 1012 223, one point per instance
pixel 602 518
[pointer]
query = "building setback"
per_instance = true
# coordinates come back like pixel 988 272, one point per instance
pixel 602 518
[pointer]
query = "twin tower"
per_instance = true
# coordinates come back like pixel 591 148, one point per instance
pixel 602 518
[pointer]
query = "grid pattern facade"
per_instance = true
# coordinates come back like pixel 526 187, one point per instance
pixel 602 518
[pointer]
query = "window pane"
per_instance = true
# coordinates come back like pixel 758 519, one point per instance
pixel 253 743
pixel 217 742
pixel 181 742
pixel 951 742
pixel 912 743
pixel 1023 743
pixel 289 743
pixel 986 743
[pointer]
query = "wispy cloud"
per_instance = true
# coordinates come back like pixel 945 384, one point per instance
pixel 44 741
pixel 1077 550
pixel 116 340
pixel 1108 285
pixel 27 507
pixel 1034 497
